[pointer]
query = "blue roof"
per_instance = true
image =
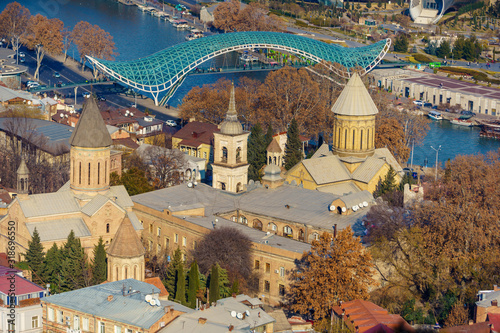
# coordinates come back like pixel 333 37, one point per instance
pixel 158 73
pixel 130 309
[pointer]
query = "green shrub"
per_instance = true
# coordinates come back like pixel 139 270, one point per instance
pixel 422 57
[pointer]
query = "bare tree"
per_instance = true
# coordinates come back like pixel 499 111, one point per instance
pixel 167 166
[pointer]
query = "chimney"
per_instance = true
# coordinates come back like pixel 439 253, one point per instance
pixel 202 320
pixel 231 327
pixel 494 302
pixel 110 298
pixel 167 308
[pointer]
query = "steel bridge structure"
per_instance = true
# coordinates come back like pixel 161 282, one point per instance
pixel 158 75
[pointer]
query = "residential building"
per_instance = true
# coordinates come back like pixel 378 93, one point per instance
pixel 487 303
pixel 354 164
pixel 360 316
pixel 26 302
pixel 10 72
pixel 196 139
pixel 230 166
pixel 125 306
pixel 238 314
pixel 87 204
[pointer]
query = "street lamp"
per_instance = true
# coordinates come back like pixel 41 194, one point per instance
pixel 437 154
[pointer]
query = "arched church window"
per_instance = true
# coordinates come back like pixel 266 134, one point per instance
pixel 89 175
pixel 361 141
pixel 224 154
pixel 107 228
pixel 80 173
pixel 238 155
pixel 98 173
pixel 353 137
pixel 345 140
pixel 22 184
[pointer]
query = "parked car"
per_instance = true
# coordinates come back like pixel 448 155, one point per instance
pixel 467 113
pixel 56 74
pixel 434 107
pixel 59 83
pixel 101 98
pixel 86 94
pixel 22 55
pixel 34 85
pixel 428 105
pixel 171 123
pixel 418 102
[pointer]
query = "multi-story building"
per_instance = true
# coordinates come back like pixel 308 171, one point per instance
pixel 125 306
pixel 22 312
pixel 196 139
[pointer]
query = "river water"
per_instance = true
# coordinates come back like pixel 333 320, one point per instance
pixel 137 34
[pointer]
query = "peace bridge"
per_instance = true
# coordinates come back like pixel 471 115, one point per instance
pixel 158 75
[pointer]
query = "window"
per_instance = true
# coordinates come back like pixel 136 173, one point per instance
pixel 282 271
pixel 76 322
pixel 282 290
pixel 80 173
pixel 267 286
pixel 184 241
pixel 102 327
pixel 158 232
pixel 361 141
pixel 224 154
pixel 167 242
pixel 176 238
pixel 51 314
pixel 151 228
pixel 268 267
pixel 118 329
pixel 287 231
pixel 98 172
pixel 60 318
pixel 233 218
pixel 128 330
pixel 194 245
pixel 89 175
pixel 85 324
pixel 257 264
pixel 204 154
pixel 150 245
pixel 34 322
pixel 243 219
pixel 158 248
pixel 107 228
pixel 271 226
pixel 12 326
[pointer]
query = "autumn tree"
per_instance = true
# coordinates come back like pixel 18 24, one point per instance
pixel 228 247
pixel 459 315
pixel 92 41
pixel 229 16
pixel 226 15
pixel 45 37
pixel 13 23
pixel 338 269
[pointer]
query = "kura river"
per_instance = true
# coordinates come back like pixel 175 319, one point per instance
pixel 137 34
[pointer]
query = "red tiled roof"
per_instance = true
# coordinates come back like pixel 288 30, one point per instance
pixel 483 327
pixel 127 142
pixel 362 315
pixel 195 133
pixel 5 197
pixel 155 281
pixel 494 319
pixel 23 286
pixel 301 137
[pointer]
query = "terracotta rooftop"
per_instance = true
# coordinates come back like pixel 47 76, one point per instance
pixel 360 316
pixel 156 281
pixel 494 319
pixel 196 133
pixel 483 327
pixel 126 242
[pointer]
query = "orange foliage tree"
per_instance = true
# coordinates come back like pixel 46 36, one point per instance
pixel 229 16
pixel 13 22
pixel 45 37
pixel 335 269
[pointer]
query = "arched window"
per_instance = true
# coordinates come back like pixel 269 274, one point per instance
pixel 368 143
pixel 98 173
pixel 238 155
pixel 301 235
pixel 22 184
pixel 89 175
pixel 287 231
pixel 105 171
pixel 272 227
pixel 116 277
pixel 361 141
pixel 257 224
pixel 274 160
pixel 107 228
pixel 233 218
pixel 338 139
pixel 239 187
pixel 80 173
pixel 224 154
pixel 270 160
pixel 243 219
pixel 223 186
pixel 345 140
pixel 135 272
pixel 73 169
pixel 314 236
pixel 126 272
pixel 353 137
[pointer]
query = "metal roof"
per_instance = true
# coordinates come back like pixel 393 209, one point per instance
pixel 94 205
pixel 340 189
pixel 354 199
pixel 355 99
pixel 90 130
pixel 321 169
pixel 130 309
pixel 487 297
pixel 219 318
pixel 49 204
pixel 368 169
pixel 156 74
pixel 59 229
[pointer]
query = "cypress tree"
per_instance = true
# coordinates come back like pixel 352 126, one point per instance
pixel 74 264
pixel 99 267
pixel 293 150
pixel 194 284
pixel 35 258
pixel 52 269
pixel 214 284
pixel 269 135
pixel 171 280
pixel 256 152
pixel 180 288
pixel 224 283
pixel 235 288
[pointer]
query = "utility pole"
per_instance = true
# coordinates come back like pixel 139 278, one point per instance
pixel 437 154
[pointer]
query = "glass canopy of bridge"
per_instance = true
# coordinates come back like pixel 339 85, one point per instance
pixel 159 74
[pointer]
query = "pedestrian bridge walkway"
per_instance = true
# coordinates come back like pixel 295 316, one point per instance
pixel 158 75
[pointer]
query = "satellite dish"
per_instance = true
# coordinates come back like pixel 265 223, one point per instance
pixel 153 302
pixel 365 203
pixel 355 208
pixel 332 208
pixel 360 205
pixel 148 298
pixel 233 314
pixel 190 184
pixel 247 313
pixel 344 209
pixel 239 315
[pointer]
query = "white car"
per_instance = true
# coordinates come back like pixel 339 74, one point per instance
pixel 22 55
pixel 418 102
pixel 171 123
pixel 86 94
pixel 34 85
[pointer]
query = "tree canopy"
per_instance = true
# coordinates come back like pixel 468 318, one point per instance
pixel 229 16
pixel 293 149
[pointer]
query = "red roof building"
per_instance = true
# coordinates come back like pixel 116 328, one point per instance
pixel 25 290
pixel 196 139
pixel 363 316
